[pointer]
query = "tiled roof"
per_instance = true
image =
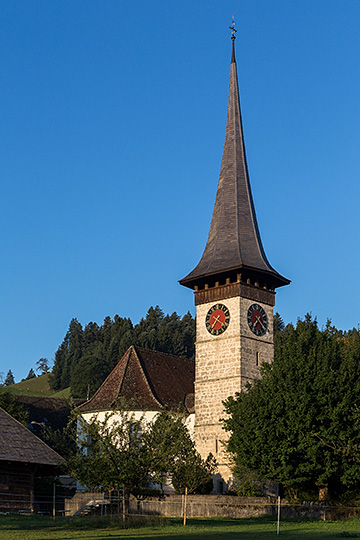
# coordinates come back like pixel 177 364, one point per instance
pixel 49 411
pixel 18 444
pixel 234 243
pixel 145 380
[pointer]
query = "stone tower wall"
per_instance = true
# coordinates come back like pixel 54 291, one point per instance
pixel 223 366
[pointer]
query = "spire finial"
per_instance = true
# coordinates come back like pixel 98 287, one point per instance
pixel 232 28
pixel 233 37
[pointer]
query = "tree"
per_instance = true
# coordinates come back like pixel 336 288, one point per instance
pixel 122 451
pixel 62 440
pixel 194 473
pixel 278 323
pixel 9 379
pixel 31 375
pixel 43 366
pixel 166 333
pixel 87 376
pixel 67 356
pixel 300 424
pixel 10 405
pixel 110 453
pixel 171 451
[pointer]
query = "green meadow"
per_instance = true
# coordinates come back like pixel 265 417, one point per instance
pixel 38 386
pixel 44 528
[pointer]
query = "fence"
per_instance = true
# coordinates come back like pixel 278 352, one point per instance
pixel 195 506
pixel 207 506
pixel 28 503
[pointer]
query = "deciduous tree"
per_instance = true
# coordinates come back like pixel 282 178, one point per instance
pixel 171 451
pixel 122 451
pixel 43 366
pixel 9 404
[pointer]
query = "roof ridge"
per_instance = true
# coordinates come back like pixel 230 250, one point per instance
pixel 128 352
pixel 162 352
pixel 146 379
pixel 143 373
pixel 106 378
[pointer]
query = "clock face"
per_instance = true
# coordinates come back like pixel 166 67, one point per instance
pixel 257 320
pixel 217 319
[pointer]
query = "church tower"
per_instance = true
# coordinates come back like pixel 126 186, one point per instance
pixel 234 286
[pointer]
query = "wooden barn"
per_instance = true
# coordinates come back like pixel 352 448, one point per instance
pixel 22 457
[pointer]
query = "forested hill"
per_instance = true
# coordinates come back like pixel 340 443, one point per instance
pixel 87 355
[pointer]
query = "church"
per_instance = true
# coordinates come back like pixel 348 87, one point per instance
pixel 234 289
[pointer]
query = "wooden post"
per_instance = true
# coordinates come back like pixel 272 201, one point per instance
pixel 32 479
pixel 185 505
pixel 54 499
pixel 123 506
pixel 278 517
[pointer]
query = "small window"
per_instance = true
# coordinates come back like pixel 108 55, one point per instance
pixel 257 358
pixel 216 446
pixel 136 430
pixel 87 449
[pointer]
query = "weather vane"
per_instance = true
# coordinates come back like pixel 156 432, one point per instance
pixel 232 28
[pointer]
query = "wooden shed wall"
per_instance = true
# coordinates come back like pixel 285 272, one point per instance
pixel 16 487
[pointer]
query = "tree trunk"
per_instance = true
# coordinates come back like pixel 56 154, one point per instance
pixel 323 492
pixel 185 505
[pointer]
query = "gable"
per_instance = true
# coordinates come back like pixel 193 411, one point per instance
pixel 145 380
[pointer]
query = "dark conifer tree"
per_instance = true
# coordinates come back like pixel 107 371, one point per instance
pixel 9 379
pixel 56 375
pixel 86 357
pixel 31 374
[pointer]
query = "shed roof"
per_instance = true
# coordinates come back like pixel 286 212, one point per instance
pixel 146 380
pixel 18 444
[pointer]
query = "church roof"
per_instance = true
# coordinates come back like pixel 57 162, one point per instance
pixel 234 242
pixel 18 444
pixel 147 381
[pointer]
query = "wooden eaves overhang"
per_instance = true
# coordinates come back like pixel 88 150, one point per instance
pixel 234 258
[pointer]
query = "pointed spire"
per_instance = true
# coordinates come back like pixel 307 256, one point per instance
pixel 234 245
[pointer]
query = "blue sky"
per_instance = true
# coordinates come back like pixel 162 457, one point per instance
pixel 112 127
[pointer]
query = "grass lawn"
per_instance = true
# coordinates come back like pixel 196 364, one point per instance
pixel 38 386
pixel 43 528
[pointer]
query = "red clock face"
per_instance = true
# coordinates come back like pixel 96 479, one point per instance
pixel 217 319
pixel 257 320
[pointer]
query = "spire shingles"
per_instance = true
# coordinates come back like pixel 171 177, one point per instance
pixel 234 245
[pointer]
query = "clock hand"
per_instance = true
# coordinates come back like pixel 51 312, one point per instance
pixel 260 321
pixel 216 319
